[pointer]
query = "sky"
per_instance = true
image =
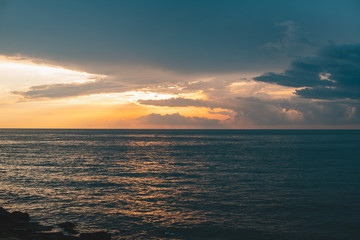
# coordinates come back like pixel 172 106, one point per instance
pixel 202 64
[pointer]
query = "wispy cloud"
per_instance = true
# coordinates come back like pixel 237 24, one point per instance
pixel 178 102
pixel 295 40
pixel 65 90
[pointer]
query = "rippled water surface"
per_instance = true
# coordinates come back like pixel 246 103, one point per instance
pixel 187 184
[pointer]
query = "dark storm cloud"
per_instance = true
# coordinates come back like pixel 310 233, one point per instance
pixel 302 72
pixel 3 4
pixel 334 73
pixel 329 93
pixel 185 36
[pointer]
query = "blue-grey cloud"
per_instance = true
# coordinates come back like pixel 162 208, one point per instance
pixel 333 74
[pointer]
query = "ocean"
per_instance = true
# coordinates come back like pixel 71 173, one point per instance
pixel 187 184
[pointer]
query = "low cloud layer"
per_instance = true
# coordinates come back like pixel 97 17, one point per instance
pixel 267 112
pixel 282 112
pixel 333 74
pixel 177 120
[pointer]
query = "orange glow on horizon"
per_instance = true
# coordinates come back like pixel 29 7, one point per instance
pixel 106 109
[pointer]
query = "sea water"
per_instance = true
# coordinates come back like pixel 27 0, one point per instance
pixel 187 184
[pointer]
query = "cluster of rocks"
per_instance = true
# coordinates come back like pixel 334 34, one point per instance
pixel 17 226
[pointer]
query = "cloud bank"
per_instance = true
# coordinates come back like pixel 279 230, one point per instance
pixel 326 91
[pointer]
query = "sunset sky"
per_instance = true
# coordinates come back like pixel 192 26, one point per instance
pixel 179 64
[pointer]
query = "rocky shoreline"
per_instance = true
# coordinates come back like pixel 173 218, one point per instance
pixel 17 226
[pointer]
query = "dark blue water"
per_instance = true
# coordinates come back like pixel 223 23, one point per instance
pixel 187 184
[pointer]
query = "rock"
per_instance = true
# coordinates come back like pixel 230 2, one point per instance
pixel 45 236
pixel 68 237
pixel 5 216
pixel 64 225
pixel 68 227
pixel 36 227
pixel 3 211
pixel 17 226
pixel 20 217
pixel 71 231
pixel 95 236
pixel 10 238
